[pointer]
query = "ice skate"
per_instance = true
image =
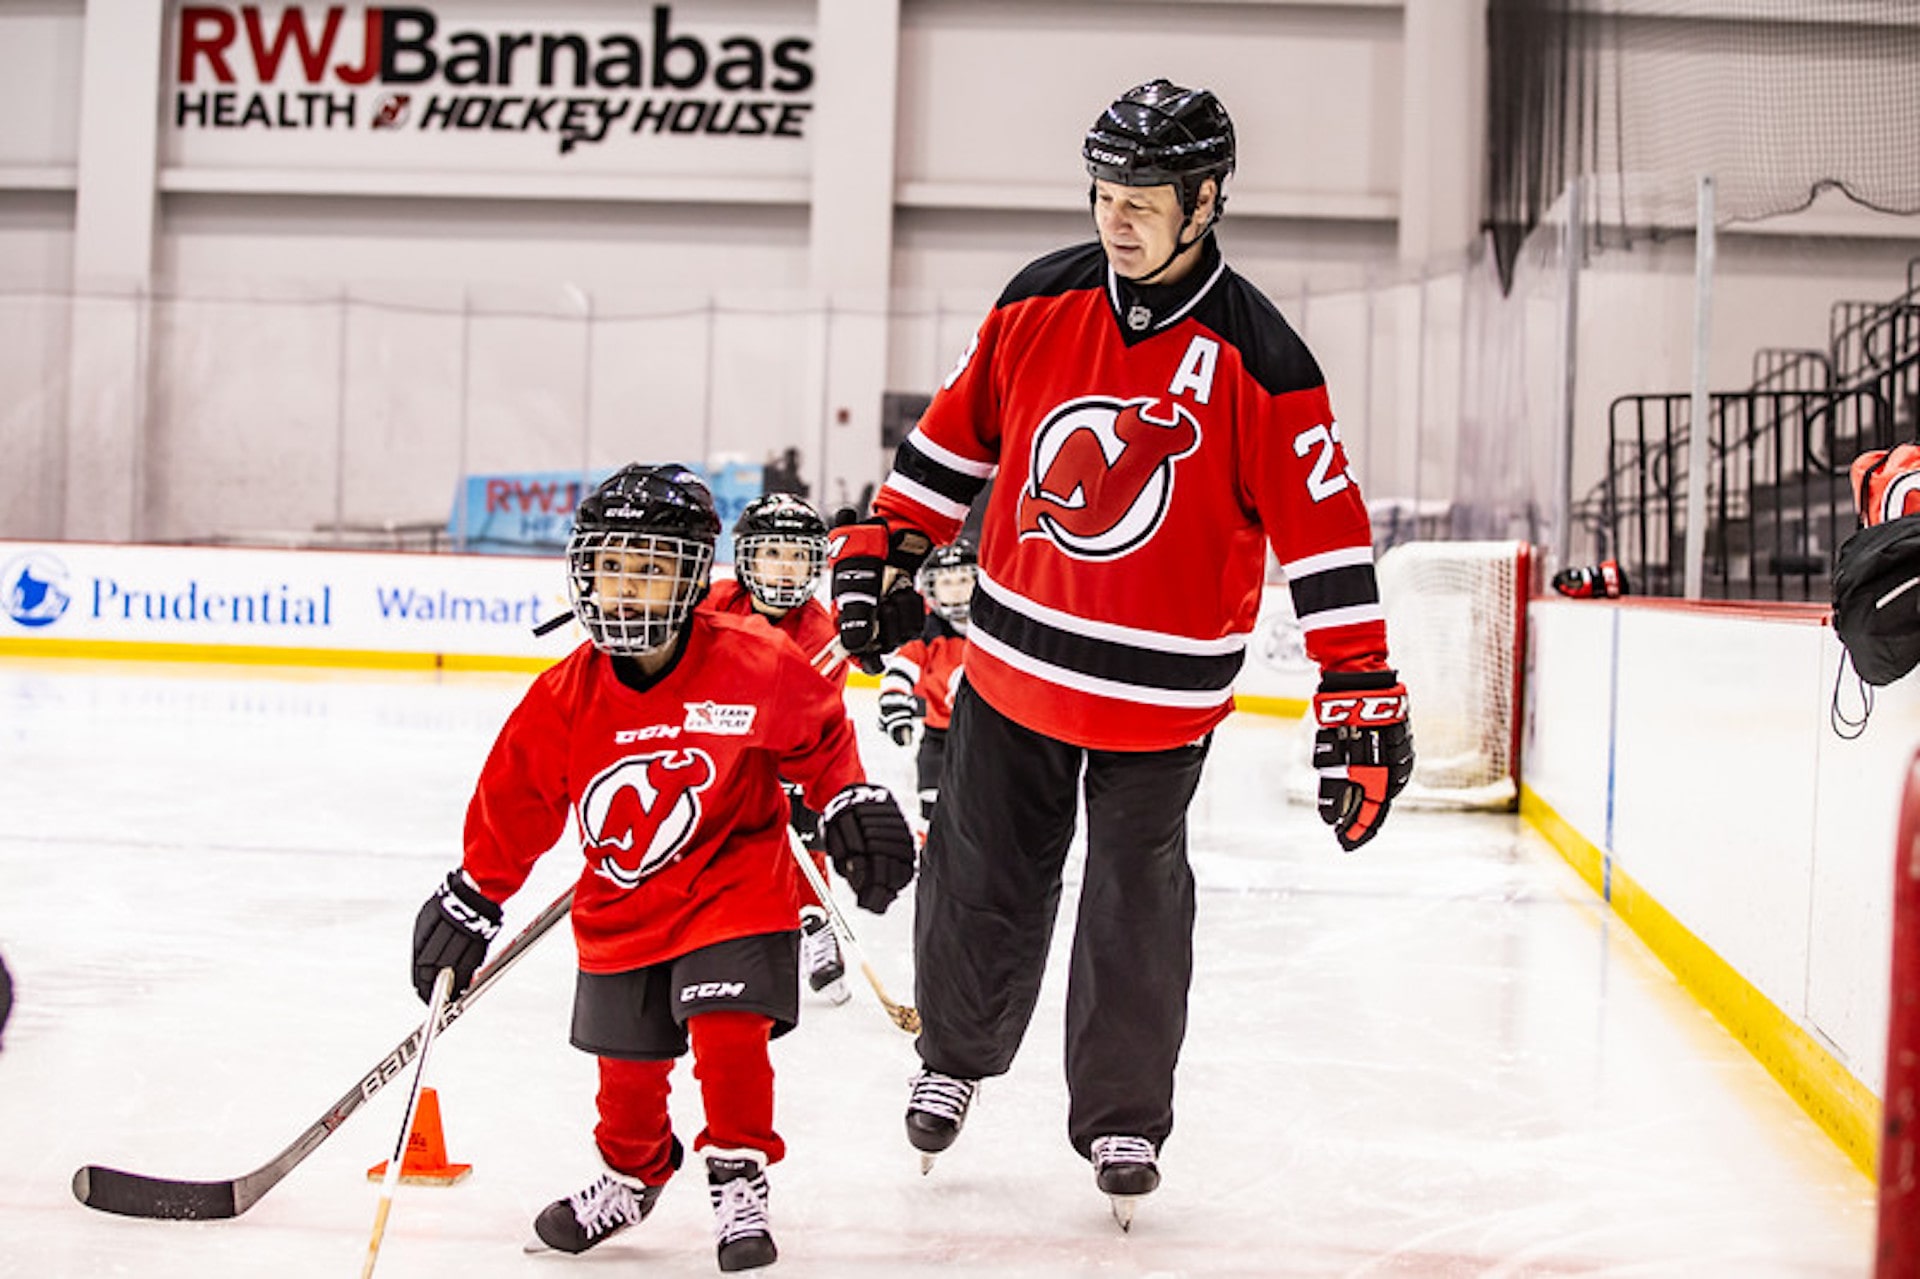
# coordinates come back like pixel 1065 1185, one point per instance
pixel 820 956
pixel 737 1184
pixel 592 1216
pixel 935 1112
pixel 1125 1168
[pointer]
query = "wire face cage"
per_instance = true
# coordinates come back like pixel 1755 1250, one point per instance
pixel 781 570
pixel 633 591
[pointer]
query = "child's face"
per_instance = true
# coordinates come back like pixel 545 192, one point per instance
pixel 783 563
pixel 634 582
pixel 952 585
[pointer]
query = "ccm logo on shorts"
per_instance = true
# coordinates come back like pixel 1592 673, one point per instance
pixel 712 990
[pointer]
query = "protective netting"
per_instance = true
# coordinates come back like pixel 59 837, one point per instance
pixel 1453 627
pixel 1455 632
pixel 1776 100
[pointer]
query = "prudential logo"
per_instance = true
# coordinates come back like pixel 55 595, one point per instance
pixel 33 589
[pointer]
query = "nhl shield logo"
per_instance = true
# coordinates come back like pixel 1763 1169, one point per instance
pixel 1101 476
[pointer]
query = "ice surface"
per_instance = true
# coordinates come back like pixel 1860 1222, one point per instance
pixel 1436 1057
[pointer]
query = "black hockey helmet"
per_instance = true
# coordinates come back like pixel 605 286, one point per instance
pixel 1159 134
pixel 640 521
pixel 959 562
pixel 786 522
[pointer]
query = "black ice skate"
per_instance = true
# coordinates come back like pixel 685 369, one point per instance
pixel 1125 1168
pixel 737 1184
pixel 820 956
pixel 935 1112
pixel 594 1215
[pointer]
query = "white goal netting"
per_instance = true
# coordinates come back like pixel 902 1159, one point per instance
pixel 1455 621
pixel 1455 624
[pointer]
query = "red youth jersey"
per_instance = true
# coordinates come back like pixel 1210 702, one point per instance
pixel 810 625
pixel 1149 445
pixel 931 669
pixel 675 791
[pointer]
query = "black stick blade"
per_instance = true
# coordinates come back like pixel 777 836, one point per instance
pixel 131 1195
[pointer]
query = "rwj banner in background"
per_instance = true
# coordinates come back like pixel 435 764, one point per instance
pixel 465 87
pixel 531 512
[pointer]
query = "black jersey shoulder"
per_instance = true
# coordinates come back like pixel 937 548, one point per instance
pixel 1079 266
pixel 1272 353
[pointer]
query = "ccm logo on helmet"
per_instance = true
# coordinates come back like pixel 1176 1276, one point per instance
pixel 1361 710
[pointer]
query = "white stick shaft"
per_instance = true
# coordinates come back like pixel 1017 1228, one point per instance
pixel 442 988
pixel 831 657
pixel 898 1012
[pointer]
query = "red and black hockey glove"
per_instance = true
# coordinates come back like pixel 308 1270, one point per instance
pixel 874 602
pixel 453 930
pixel 1363 751
pixel 871 847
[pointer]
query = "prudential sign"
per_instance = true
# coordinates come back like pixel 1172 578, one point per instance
pixel 389 84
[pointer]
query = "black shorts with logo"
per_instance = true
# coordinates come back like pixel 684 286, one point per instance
pixel 641 1015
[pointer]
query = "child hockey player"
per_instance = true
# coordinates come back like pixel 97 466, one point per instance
pixel 779 550
pixel 665 737
pixel 921 676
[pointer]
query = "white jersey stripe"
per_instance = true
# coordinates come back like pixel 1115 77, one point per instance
pixel 1347 557
pixel 1350 616
pixel 1138 693
pixel 935 502
pixel 1112 632
pixel 949 459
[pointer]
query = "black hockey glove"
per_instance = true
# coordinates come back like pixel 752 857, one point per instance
pixel 1363 750
pixel 452 931
pixel 898 711
pixel 874 602
pixel 871 847
pixel 805 822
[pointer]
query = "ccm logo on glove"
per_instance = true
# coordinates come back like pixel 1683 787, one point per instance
pixel 1382 708
pixel 1363 751
pixel 871 847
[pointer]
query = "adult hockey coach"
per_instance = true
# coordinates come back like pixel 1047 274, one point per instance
pixel 1154 424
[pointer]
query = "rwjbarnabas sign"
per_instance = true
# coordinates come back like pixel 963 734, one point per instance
pixel 624 88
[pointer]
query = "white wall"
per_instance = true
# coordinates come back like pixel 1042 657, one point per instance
pixel 880 237
pixel 1692 749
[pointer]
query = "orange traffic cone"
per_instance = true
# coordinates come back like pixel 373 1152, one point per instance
pixel 425 1163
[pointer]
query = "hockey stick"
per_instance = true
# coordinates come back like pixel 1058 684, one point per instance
pixel 905 1016
pixel 442 987
pixel 133 1194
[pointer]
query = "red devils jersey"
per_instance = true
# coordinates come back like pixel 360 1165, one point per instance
pixel 675 791
pixel 1149 444
pixel 810 625
pixel 929 668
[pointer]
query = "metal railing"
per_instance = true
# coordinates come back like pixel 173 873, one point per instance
pixel 1778 456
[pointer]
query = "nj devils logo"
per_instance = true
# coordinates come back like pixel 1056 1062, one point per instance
pixel 640 814
pixel 1102 474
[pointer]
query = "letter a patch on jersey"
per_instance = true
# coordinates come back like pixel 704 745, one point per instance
pixel 1101 475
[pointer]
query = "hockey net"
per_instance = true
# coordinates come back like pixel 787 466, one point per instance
pixel 1456 626
pixel 1456 619
pixel 1456 622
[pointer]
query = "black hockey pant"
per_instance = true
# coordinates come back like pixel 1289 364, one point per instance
pixel 989 888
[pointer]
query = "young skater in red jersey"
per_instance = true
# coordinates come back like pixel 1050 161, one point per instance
pixel 665 738
pixel 779 551
pixel 920 678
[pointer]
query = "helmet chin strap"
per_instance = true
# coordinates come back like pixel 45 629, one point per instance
pixel 1178 249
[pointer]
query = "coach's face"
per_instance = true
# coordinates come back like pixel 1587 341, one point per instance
pixel 1141 226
